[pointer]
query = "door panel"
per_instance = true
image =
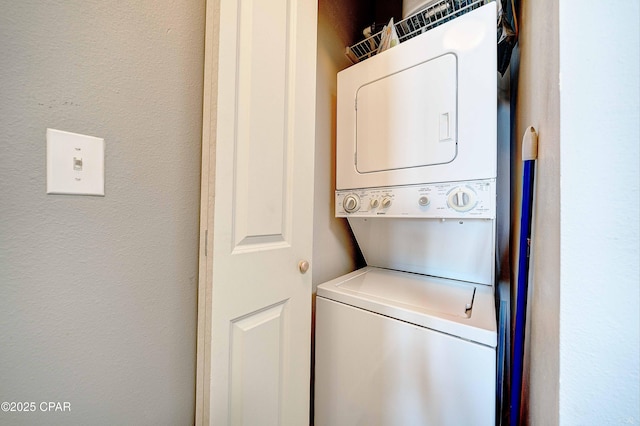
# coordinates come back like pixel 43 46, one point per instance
pixel 257 347
pixel 262 135
pixel 257 312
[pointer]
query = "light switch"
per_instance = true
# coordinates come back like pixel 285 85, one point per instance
pixel 75 163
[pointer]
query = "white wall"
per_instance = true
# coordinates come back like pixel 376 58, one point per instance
pixel 599 184
pixel 579 86
pixel 98 294
pixel 538 105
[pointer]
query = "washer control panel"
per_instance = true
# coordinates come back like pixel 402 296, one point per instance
pixel 466 199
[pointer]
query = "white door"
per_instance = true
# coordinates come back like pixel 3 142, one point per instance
pixel 255 304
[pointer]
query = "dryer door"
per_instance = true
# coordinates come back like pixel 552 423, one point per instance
pixel 409 118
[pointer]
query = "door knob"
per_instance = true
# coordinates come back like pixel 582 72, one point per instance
pixel 303 266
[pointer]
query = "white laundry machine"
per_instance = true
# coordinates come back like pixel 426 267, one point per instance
pixel 411 338
pixel 394 348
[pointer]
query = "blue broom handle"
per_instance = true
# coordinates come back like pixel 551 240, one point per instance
pixel 523 282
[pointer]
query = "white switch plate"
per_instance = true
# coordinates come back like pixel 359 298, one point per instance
pixel 75 163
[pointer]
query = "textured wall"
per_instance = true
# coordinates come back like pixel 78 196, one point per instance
pixel 580 89
pixel 538 105
pixel 98 294
pixel 600 243
pixel 334 249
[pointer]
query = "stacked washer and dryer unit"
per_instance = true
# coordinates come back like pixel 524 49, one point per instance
pixel 411 338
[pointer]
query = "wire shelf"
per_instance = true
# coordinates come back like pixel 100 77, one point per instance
pixel 436 13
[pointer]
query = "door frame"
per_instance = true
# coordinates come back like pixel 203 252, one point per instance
pixel 207 202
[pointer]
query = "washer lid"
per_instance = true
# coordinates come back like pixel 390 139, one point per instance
pixel 449 306
pixel 412 290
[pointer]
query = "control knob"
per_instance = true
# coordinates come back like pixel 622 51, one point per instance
pixel 461 199
pixel 351 203
pixel 386 203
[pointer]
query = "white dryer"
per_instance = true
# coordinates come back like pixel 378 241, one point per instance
pixel 411 338
pixel 423 111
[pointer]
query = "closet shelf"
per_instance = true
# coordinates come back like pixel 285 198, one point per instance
pixel 434 14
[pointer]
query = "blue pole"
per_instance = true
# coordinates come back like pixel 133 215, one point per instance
pixel 521 292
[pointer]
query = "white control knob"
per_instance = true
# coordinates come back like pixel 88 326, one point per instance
pixel 423 201
pixel 374 203
pixel 351 203
pixel 461 199
pixel 386 203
